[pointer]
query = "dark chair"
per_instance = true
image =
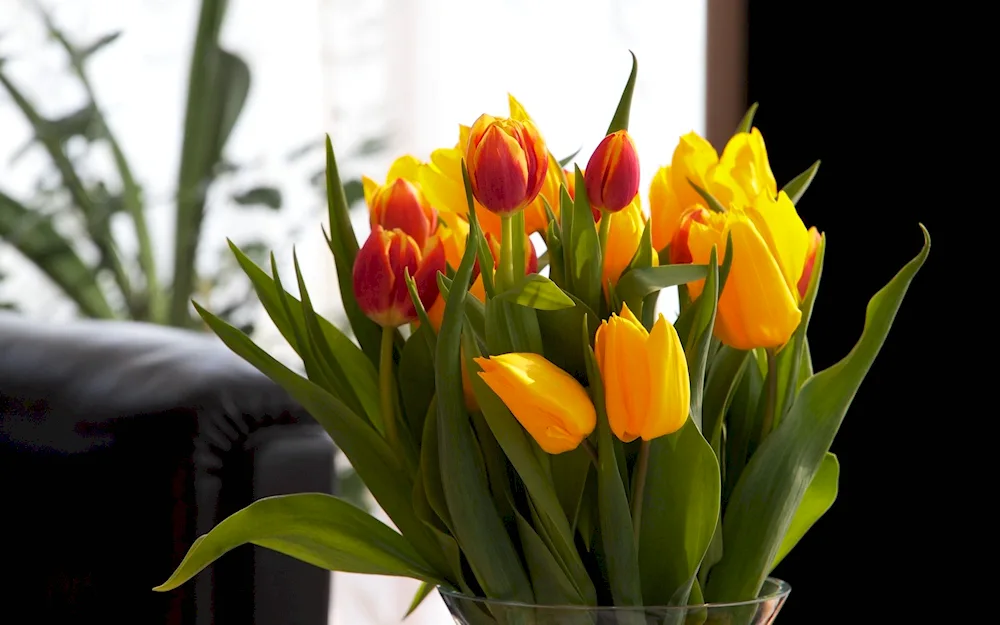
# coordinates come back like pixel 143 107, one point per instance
pixel 120 443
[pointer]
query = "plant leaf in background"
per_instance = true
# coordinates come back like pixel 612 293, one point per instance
pixel 747 122
pixel 620 120
pixel 784 465
pixel 269 197
pixel 538 292
pixel 319 529
pixel 218 84
pixel 32 234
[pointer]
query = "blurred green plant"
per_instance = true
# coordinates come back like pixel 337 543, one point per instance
pixel 218 85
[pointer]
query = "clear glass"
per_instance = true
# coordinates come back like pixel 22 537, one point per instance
pixel 761 611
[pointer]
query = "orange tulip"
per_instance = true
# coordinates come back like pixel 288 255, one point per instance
pixel 401 204
pixel 507 162
pixel 378 278
pixel 612 174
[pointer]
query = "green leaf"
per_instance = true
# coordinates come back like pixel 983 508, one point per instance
pixel 368 452
pixel 218 85
pixel 344 246
pixel 818 498
pixel 549 581
pixel 747 122
pixel 570 471
pixel 425 321
pixel 618 539
pixel 680 510
pixel 416 378
pixel 789 360
pixel 797 186
pixel 695 327
pixel 357 369
pixel 785 463
pixel 620 120
pixel 724 375
pixel 560 343
pixel 581 247
pixel 640 282
pixel 430 466
pixel 319 529
pixel 519 449
pixel 475 311
pixel 713 203
pixel 511 328
pixel 477 526
pixel 33 235
pixel 259 196
pixel 566 161
pixel 538 292
pixel 423 591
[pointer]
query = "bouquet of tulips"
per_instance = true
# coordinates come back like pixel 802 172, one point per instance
pixel 534 430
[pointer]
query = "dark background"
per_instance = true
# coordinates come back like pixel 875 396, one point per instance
pixel 860 90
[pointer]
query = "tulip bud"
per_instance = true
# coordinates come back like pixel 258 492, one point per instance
pixel 379 282
pixel 612 174
pixel 507 161
pixel 548 402
pixel 679 252
pixel 814 240
pixel 401 204
pixel 646 386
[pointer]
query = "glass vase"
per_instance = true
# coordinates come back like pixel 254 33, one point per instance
pixel 761 611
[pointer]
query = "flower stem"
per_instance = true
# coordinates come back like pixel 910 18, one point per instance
pixel 387 387
pixel 505 272
pixel 605 228
pixel 772 394
pixel 641 466
pixel 591 451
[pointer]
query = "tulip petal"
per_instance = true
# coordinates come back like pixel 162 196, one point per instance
pixel 499 170
pixel 373 277
pixel 757 308
pixel 694 159
pixel 664 209
pixel 626 376
pixel 370 187
pixel 785 234
pixel 549 403
pixel 670 397
pixel 404 167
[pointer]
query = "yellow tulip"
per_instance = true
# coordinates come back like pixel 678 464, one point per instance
pixel 624 235
pixel 759 306
pixel 646 386
pixel 548 402
pixel 738 177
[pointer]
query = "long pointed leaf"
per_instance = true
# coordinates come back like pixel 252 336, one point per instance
pixel 620 120
pixel 819 497
pixel 344 245
pixel 797 186
pixel 369 454
pixel 319 529
pixel 784 465
pixel 478 527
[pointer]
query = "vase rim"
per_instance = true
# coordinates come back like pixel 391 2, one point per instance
pixel 780 592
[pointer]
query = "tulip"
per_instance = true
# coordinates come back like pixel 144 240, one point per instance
pixel 759 305
pixel 612 174
pixel 536 219
pixel 507 161
pixel 738 177
pixel 743 172
pixel 670 193
pixel 401 204
pixel 624 236
pixel 379 284
pixel 679 252
pixel 548 402
pixel 814 240
pixel 646 385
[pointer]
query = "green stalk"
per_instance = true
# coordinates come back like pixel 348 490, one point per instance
pixel 387 387
pixel 505 271
pixel 772 394
pixel 605 228
pixel 641 467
